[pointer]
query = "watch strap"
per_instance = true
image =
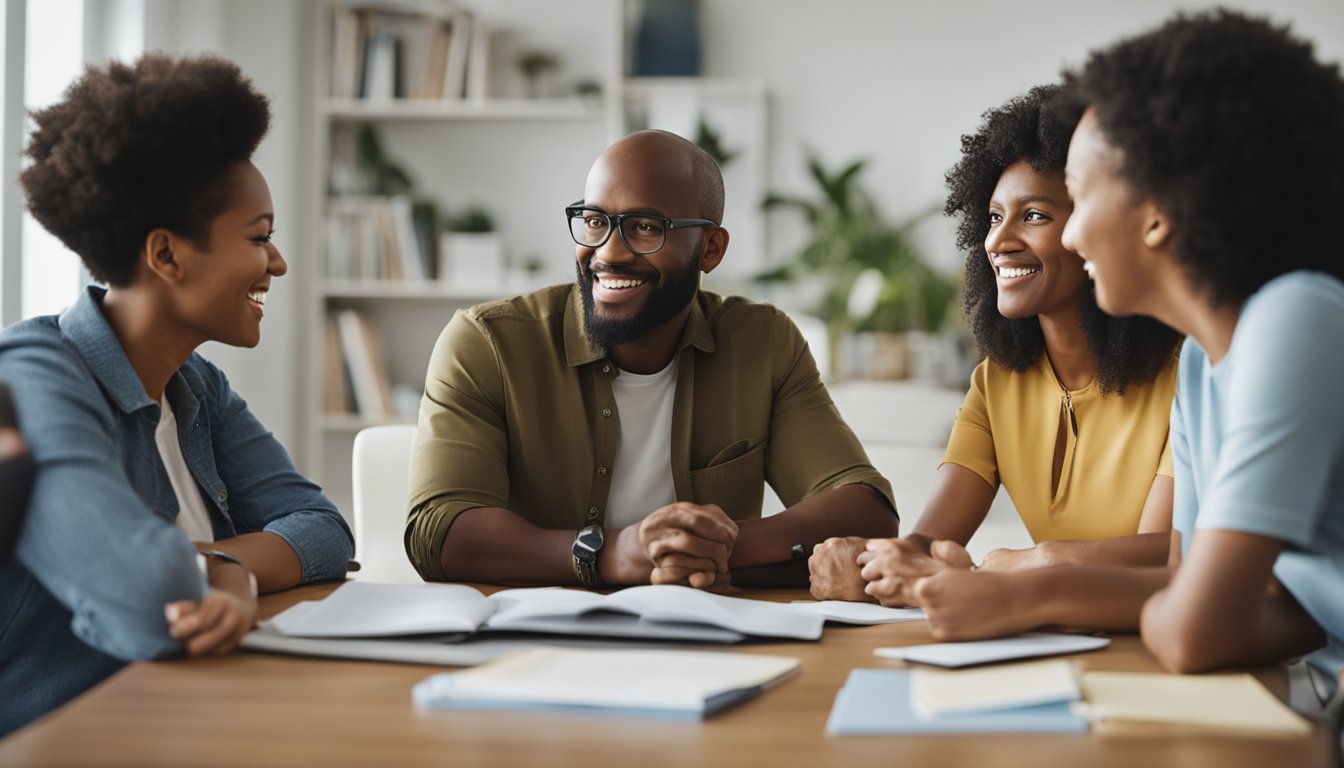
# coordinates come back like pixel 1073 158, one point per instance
pixel 586 570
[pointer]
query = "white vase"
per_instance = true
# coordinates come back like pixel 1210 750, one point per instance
pixel 474 259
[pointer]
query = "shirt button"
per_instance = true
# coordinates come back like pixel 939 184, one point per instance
pixel 602 470
pixel 223 496
pixel 606 368
pixel 592 513
pixel 606 411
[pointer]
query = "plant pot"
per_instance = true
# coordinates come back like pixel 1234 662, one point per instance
pixel 876 355
pixel 472 259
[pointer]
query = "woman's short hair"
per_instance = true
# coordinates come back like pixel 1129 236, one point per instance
pixel 133 147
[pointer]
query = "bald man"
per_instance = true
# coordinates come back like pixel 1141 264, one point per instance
pixel 620 430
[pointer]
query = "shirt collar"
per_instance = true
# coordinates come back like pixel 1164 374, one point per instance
pixel 579 350
pixel 85 327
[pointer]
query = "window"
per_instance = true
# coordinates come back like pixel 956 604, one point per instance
pixel 53 58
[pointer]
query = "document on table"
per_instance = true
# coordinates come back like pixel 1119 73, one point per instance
pixel 881 701
pixel 665 612
pixel 849 612
pixel 1236 702
pixel 687 684
pixel 1025 646
pixel 938 692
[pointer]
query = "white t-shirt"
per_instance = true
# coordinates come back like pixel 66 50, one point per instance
pixel 192 517
pixel 641 481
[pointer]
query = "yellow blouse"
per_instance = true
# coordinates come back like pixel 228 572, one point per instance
pixel 1085 477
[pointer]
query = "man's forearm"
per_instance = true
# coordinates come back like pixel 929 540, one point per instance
pixel 497 546
pixel 851 510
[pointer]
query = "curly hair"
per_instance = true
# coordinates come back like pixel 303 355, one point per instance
pixel 1220 118
pixel 1128 350
pixel 133 147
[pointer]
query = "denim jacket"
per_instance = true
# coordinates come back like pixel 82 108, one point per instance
pixel 101 555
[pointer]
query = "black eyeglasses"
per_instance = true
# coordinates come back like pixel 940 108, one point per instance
pixel 642 233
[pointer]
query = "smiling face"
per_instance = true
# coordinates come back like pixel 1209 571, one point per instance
pixel 625 294
pixel 1110 227
pixel 1035 273
pixel 223 291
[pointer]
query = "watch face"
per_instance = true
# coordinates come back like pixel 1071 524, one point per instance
pixel 588 543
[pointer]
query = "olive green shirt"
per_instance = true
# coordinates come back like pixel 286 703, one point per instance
pixel 519 414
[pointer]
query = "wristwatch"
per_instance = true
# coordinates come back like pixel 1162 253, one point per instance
pixel 587 544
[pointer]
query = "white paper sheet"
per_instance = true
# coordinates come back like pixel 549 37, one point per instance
pixel 1024 646
pixel 867 614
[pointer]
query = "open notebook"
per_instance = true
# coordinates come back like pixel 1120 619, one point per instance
pixel 663 612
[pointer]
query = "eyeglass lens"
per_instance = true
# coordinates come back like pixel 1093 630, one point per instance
pixel 642 234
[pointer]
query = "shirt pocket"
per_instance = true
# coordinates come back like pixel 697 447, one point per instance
pixel 734 480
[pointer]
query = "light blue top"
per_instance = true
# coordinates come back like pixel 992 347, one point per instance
pixel 100 555
pixel 1258 441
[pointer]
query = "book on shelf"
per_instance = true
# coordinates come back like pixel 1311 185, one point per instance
pixel 363 353
pixel 478 61
pixel 408 50
pixel 380 238
pixel 335 374
pixel 455 66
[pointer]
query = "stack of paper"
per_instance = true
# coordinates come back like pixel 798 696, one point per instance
pixel 1033 697
pixel 1222 702
pixel 688 684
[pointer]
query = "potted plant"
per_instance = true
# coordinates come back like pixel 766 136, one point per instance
pixel 874 279
pixel 537 68
pixel 472 252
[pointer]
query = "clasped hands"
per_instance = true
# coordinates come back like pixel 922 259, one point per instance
pixel 681 543
pixel 887 571
pixel 960 601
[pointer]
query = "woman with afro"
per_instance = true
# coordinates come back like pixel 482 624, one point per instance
pixel 1209 197
pixel 144 456
pixel 1069 409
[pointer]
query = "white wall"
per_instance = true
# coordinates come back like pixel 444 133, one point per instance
pixel 899 82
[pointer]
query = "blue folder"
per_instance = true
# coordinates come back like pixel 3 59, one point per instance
pixel 878 701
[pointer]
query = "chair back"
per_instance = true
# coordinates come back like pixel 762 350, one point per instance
pixel 381 481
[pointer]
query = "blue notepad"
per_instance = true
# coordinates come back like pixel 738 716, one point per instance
pixel 878 701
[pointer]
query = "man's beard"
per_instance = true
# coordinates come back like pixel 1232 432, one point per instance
pixel 663 304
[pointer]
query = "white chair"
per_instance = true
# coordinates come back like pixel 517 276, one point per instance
pixel 382 464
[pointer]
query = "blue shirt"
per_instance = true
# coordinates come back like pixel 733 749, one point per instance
pixel 1258 441
pixel 100 555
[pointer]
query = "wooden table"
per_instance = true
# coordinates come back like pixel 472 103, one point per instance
pixel 254 709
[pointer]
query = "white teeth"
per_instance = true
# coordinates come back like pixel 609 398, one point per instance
pixel 257 296
pixel 1017 271
pixel 1089 268
pixel 609 282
